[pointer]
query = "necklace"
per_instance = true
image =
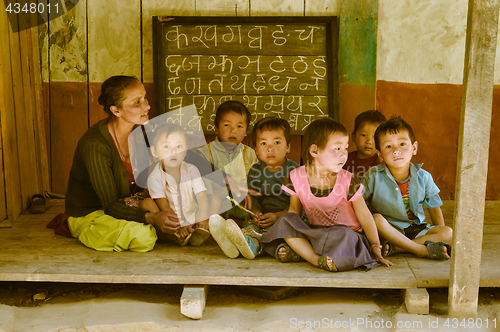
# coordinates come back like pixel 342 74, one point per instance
pixel 122 156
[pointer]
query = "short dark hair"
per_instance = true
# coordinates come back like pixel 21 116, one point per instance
pixel 372 116
pixel 231 106
pixel 393 126
pixel 271 123
pixel 318 133
pixel 112 91
pixel 167 129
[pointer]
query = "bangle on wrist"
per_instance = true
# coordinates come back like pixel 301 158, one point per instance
pixel 376 245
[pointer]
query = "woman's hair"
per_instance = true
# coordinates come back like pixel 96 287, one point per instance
pixel 167 129
pixel 318 133
pixel 112 91
pixel 271 123
pixel 231 106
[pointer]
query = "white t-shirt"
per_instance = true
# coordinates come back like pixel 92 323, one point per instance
pixel 163 185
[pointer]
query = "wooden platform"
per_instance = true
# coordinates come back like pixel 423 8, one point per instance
pixel 31 252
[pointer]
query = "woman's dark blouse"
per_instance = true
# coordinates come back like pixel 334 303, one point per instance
pixel 98 178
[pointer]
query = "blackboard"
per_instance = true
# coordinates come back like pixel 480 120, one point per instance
pixel 277 66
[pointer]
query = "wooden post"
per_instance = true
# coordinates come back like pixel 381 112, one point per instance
pixel 193 300
pixel 475 125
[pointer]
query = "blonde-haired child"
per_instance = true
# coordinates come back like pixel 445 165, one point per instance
pixel 340 233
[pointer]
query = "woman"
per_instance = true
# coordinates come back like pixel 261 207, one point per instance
pixel 101 175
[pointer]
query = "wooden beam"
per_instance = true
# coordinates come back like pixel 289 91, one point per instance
pixel 25 122
pixel 8 121
pixel 472 168
pixel 38 116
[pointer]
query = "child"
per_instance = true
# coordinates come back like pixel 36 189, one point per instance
pixel 332 238
pixel 228 153
pixel 359 161
pixel 174 184
pixel 271 138
pixel 396 190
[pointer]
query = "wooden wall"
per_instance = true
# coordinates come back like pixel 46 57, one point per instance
pixel 99 39
pixel 23 158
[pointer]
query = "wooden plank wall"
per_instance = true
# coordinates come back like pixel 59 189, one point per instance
pixel 23 170
pixel 119 42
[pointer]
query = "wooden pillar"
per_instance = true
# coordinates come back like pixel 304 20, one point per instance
pixel 475 125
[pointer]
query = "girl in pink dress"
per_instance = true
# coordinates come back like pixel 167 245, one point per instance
pixel 339 233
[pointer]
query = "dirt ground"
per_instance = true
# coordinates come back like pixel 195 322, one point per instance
pixel 44 307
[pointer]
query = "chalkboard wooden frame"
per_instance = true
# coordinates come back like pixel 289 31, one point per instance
pixel 160 52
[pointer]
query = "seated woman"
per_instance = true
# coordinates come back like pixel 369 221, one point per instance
pixel 101 177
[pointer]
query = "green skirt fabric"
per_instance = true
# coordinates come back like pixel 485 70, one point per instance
pixel 103 232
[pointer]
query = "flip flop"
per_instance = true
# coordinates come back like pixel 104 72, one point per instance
pixel 199 236
pixel 392 248
pixel 182 241
pixel 38 204
pixel 435 249
pixel 291 255
pixel 216 224
pixel 323 265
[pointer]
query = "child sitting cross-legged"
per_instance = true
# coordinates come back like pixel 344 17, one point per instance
pixel 228 153
pixel 174 185
pixel 395 192
pixel 340 233
pixel 365 156
pixel 271 138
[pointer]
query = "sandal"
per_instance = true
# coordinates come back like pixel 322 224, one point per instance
pixel 199 236
pixel 182 241
pixel 323 265
pixel 243 239
pixel 38 204
pixel 291 255
pixel 392 248
pixel 216 225
pixel 435 249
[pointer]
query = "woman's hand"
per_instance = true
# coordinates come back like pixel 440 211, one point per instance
pixel 165 221
pixel 377 251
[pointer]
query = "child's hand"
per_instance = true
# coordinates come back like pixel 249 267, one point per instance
pixel 377 251
pixel 259 214
pixel 185 231
pixel 267 219
pixel 203 224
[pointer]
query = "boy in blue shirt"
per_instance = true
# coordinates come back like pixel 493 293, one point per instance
pixel 395 192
